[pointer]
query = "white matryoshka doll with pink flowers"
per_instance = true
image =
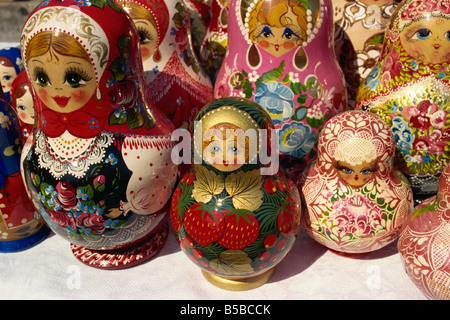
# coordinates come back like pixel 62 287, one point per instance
pixel 98 165
pixel 356 202
pixel 409 88
pixel 174 78
pixel 281 55
pixel 424 244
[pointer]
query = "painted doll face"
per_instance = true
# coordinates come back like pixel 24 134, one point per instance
pixel 356 175
pixel 227 154
pixel 148 37
pixel 279 40
pixel 25 108
pixel 428 40
pixel 63 83
pixel 7 75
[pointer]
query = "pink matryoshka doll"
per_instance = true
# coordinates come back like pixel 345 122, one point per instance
pixel 214 43
pixel 409 89
pixel 356 202
pixel 10 66
pixel 281 55
pixel 424 243
pixel 20 226
pixel 359 37
pixel 99 164
pixel 22 101
pixel 175 81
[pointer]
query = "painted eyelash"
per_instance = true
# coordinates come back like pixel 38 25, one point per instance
pixel 82 73
pixel 145 32
pixel 37 71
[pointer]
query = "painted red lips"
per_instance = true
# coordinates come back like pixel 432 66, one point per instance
pixel 61 101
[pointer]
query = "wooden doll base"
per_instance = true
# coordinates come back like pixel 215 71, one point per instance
pixel 236 284
pixel 125 257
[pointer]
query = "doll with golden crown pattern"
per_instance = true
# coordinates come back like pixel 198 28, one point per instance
pixel 356 203
pixel 232 218
pixel 99 165
pixel 424 243
pixel 174 77
pixel 281 55
pixel 409 89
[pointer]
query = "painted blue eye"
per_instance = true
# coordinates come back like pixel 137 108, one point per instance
pixel 233 149
pixel 266 32
pixel 347 171
pixel 423 34
pixel 447 35
pixel 288 33
pixel 365 172
pixel 216 149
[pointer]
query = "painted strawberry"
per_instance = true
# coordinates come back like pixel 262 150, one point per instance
pixel 204 225
pixel 289 217
pixel 241 229
pixel 269 186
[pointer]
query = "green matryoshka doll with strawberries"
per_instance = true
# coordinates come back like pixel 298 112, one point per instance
pixel 235 214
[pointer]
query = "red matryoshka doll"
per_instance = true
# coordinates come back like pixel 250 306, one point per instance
pixel 424 243
pixel 22 102
pixel 20 226
pixel 10 66
pixel 175 81
pixel 214 43
pixel 99 165
pixel 234 213
pixel 356 202
pixel 281 55
pixel 200 13
pixel 409 89
pixel 359 37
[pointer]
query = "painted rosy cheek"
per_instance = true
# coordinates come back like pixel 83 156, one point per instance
pixel 43 94
pixel 264 44
pixel 288 45
pixel 80 95
pixel 145 52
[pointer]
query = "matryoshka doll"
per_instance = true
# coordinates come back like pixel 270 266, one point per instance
pixel 99 165
pixel 234 213
pixel 356 202
pixel 175 80
pixel 200 17
pixel 22 101
pixel 281 55
pixel 10 66
pixel 359 37
pixel 214 43
pixel 424 244
pixel 20 226
pixel 409 89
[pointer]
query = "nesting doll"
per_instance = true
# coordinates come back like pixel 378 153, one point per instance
pixel 214 43
pixel 409 89
pixel 200 17
pixel 281 55
pixel 10 66
pixel 235 215
pixel 174 78
pixel 356 201
pixel 359 37
pixel 98 167
pixel 20 226
pixel 22 102
pixel 424 243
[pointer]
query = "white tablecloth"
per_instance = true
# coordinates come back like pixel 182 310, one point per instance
pixel 50 271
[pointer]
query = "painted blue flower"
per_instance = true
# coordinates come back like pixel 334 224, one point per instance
pixel 52 203
pixel 120 112
pixel 155 70
pixel 111 223
pixel 93 123
pixel 85 230
pixel 81 3
pixel 111 159
pixel 441 75
pixel 414 65
pixel 97 210
pixel 372 80
pixel 41 197
pixel 296 139
pixel 51 191
pixel 70 228
pixel 82 195
pixel 110 82
pixel 277 100
pixel 403 135
pixel 426 158
pixel 29 155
